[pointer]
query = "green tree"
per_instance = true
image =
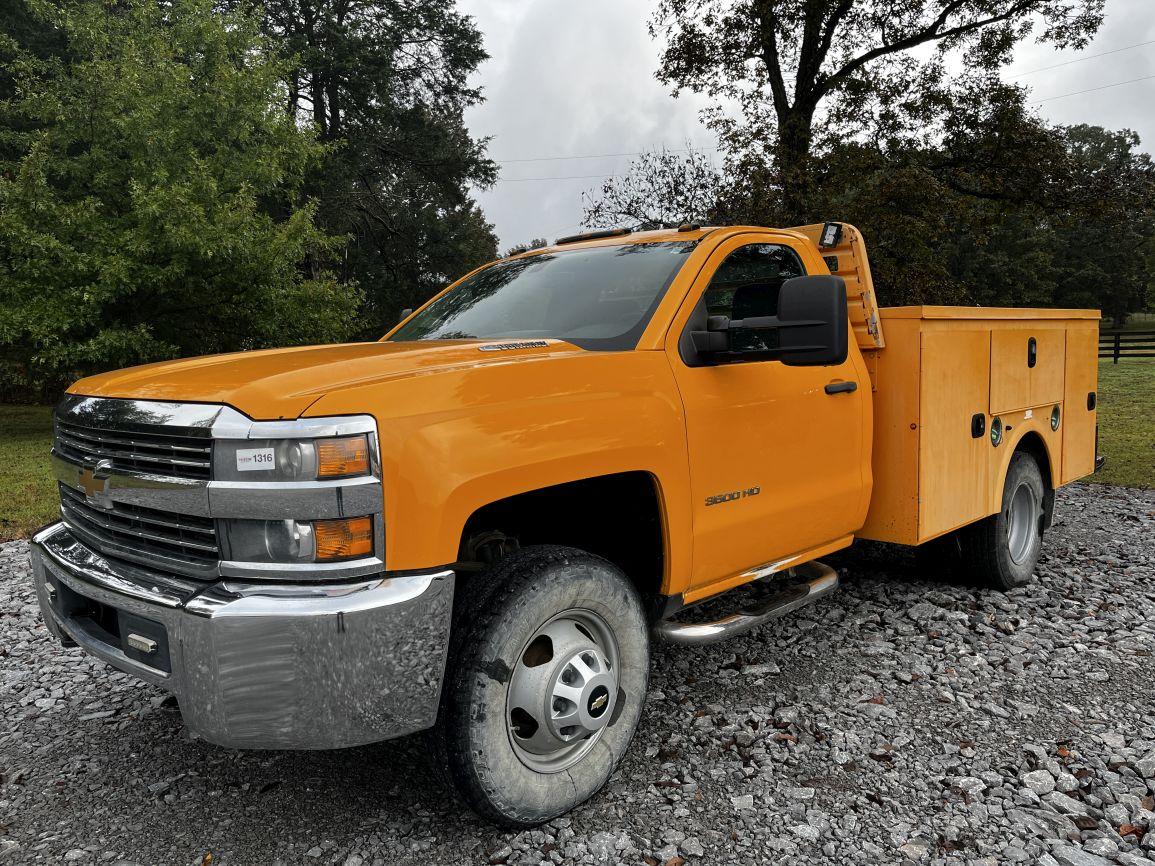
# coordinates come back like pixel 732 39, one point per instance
pixel 1081 241
pixel 1003 211
pixel 1101 250
pixel 808 75
pixel 935 212
pixel 153 208
pixel 385 83
pixel 23 33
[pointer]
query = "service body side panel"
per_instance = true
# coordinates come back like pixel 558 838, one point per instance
pixel 942 367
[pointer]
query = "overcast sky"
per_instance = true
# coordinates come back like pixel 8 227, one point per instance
pixel 577 79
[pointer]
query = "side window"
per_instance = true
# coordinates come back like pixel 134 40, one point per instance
pixel 746 284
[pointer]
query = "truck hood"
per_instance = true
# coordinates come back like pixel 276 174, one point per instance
pixel 283 383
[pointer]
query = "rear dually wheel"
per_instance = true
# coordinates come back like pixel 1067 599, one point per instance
pixel 1002 550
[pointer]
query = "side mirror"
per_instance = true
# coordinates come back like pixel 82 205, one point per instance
pixel 405 314
pixel 813 317
pixel 811 324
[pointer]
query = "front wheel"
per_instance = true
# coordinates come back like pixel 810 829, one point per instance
pixel 546 681
pixel 1003 549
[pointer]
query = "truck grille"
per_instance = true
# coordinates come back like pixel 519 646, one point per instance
pixel 168 453
pixel 182 541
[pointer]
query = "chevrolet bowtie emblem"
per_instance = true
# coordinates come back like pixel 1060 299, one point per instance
pixel 599 702
pixel 94 483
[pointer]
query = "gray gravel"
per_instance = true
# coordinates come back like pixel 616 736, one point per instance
pixel 903 719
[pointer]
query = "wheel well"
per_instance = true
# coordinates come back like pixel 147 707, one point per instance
pixel 1032 443
pixel 617 517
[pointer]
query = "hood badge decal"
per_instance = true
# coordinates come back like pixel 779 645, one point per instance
pixel 521 344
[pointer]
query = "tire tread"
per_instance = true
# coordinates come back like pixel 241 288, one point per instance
pixel 476 615
pixel 982 544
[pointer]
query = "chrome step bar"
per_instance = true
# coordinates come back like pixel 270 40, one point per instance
pixel 820 579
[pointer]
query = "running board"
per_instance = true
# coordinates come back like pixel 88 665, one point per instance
pixel 820 579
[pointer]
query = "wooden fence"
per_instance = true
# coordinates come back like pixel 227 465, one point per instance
pixel 1126 344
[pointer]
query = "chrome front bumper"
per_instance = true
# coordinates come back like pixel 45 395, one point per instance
pixel 259 665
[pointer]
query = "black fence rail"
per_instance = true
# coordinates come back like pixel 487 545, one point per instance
pixel 1126 344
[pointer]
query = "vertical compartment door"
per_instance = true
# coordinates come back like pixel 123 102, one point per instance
pixel 1079 417
pixel 954 465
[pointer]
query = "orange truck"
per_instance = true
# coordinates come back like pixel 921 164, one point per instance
pixel 476 526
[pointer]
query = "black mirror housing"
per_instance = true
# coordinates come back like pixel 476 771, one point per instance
pixel 812 328
pixel 710 342
pixel 813 315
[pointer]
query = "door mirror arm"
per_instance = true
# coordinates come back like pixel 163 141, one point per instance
pixel 715 340
pixel 769 323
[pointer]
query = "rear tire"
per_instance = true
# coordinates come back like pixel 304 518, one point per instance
pixel 544 686
pixel 1002 550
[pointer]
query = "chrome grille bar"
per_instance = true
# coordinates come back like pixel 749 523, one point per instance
pixel 102 437
pixel 170 454
pixel 151 534
pixel 135 521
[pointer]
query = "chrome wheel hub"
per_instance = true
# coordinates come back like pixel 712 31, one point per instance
pixel 1022 523
pixel 562 691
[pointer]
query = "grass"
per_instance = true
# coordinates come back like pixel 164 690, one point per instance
pixel 1127 422
pixel 29 495
pixel 1126 437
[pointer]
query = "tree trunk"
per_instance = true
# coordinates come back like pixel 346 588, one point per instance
pixel 334 110
pixel 317 95
pixel 795 137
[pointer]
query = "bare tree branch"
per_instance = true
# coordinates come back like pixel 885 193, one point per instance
pixel 928 34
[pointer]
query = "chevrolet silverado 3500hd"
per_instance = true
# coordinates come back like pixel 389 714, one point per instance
pixel 476 525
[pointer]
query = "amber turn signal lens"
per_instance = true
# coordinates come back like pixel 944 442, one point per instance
pixel 343 539
pixel 337 458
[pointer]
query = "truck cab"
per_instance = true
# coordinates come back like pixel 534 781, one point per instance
pixel 475 526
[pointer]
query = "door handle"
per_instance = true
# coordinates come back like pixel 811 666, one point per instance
pixel 841 387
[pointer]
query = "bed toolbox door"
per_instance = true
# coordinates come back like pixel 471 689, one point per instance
pixel 954 453
pixel 1080 402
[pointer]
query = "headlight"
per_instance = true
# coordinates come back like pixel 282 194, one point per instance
pixel 295 541
pixel 291 459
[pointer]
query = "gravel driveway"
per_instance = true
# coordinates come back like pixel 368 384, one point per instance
pixel 903 719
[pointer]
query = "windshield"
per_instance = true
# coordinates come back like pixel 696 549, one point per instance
pixel 596 298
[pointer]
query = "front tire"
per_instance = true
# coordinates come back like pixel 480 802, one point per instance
pixel 1002 550
pixel 545 685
